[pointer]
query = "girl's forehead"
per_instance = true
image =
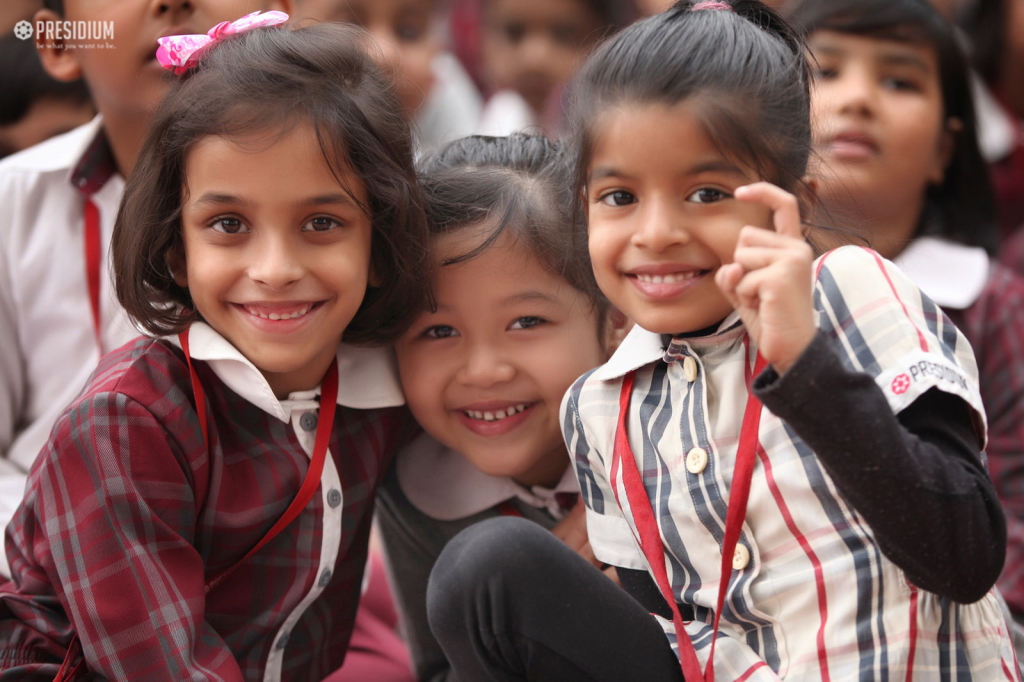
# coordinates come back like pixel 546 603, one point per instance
pixel 883 50
pixel 644 138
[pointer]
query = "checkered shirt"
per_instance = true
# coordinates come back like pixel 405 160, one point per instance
pixel 815 599
pixel 126 517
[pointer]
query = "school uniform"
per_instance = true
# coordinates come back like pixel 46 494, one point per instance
pixel 48 338
pixel 429 497
pixel 128 514
pixel 818 591
pixel 986 301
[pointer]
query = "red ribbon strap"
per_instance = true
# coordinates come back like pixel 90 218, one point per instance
pixel 324 427
pixel 93 251
pixel 647 525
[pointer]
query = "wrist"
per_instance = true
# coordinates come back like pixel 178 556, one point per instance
pixel 784 364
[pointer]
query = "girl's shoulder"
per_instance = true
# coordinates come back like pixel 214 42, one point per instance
pixel 145 369
pixel 881 323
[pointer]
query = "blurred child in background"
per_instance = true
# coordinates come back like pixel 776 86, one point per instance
pixel 996 32
pixel 440 100
pixel 530 51
pixel 895 131
pixel 35 107
pixel 58 312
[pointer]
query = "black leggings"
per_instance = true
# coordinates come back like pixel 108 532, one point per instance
pixel 507 600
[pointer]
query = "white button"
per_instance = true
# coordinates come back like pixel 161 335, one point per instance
pixel 740 557
pixel 696 460
pixel 690 369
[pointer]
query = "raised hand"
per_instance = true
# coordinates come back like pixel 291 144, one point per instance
pixel 769 281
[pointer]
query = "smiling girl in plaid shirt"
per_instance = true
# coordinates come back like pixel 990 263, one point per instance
pixel 272 214
pixel 790 447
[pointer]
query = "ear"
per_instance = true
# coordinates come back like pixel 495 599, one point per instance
pixel 616 326
pixel 947 145
pixel 807 193
pixel 286 6
pixel 59 61
pixel 374 280
pixel 176 264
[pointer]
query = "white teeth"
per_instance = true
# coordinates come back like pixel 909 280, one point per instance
pixel 495 416
pixel 277 316
pixel 668 279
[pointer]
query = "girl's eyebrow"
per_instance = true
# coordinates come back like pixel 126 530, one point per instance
pixel 904 58
pixel 705 166
pixel 526 296
pixel 220 199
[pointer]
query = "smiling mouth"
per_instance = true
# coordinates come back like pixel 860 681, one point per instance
pixel 291 313
pixel 496 415
pixel 671 278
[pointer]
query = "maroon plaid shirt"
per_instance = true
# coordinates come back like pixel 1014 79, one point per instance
pixel 1011 251
pixel 994 325
pixel 126 517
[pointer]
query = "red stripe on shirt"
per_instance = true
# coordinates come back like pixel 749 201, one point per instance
pixel 892 287
pixel 819 576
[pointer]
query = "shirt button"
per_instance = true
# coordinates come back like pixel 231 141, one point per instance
pixel 696 460
pixel 308 421
pixel 740 557
pixel 334 497
pixel 325 577
pixel 282 641
pixel 690 369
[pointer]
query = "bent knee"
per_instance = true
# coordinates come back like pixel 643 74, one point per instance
pixel 485 561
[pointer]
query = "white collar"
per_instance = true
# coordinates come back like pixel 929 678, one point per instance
pixel 951 274
pixel 996 128
pixel 367 377
pixel 641 347
pixel 60 153
pixel 446 486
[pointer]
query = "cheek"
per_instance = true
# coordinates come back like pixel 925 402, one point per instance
pixel 422 381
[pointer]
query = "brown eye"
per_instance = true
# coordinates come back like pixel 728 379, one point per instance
pixel 707 195
pixel 229 226
pixel 619 197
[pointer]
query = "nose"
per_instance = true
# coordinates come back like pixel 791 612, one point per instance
pixel 661 223
pixel 390 56
pixel 162 7
pixel 274 262
pixel 536 50
pixel 484 366
pixel 856 92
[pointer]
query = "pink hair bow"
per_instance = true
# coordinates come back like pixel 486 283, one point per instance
pixel 181 53
pixel 712 5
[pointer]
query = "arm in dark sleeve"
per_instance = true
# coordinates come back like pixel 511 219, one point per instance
pixel 412 542
pixel 916 477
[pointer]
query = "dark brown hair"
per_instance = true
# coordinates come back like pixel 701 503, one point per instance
pixel 519 186
pixel 963 207
pixel 272 80
pixel 745 69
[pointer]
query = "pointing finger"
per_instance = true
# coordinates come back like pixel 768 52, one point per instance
pixel 784 206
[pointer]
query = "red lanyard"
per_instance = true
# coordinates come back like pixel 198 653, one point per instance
pixel 93 251
pixel 647 524
pixel 325 424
